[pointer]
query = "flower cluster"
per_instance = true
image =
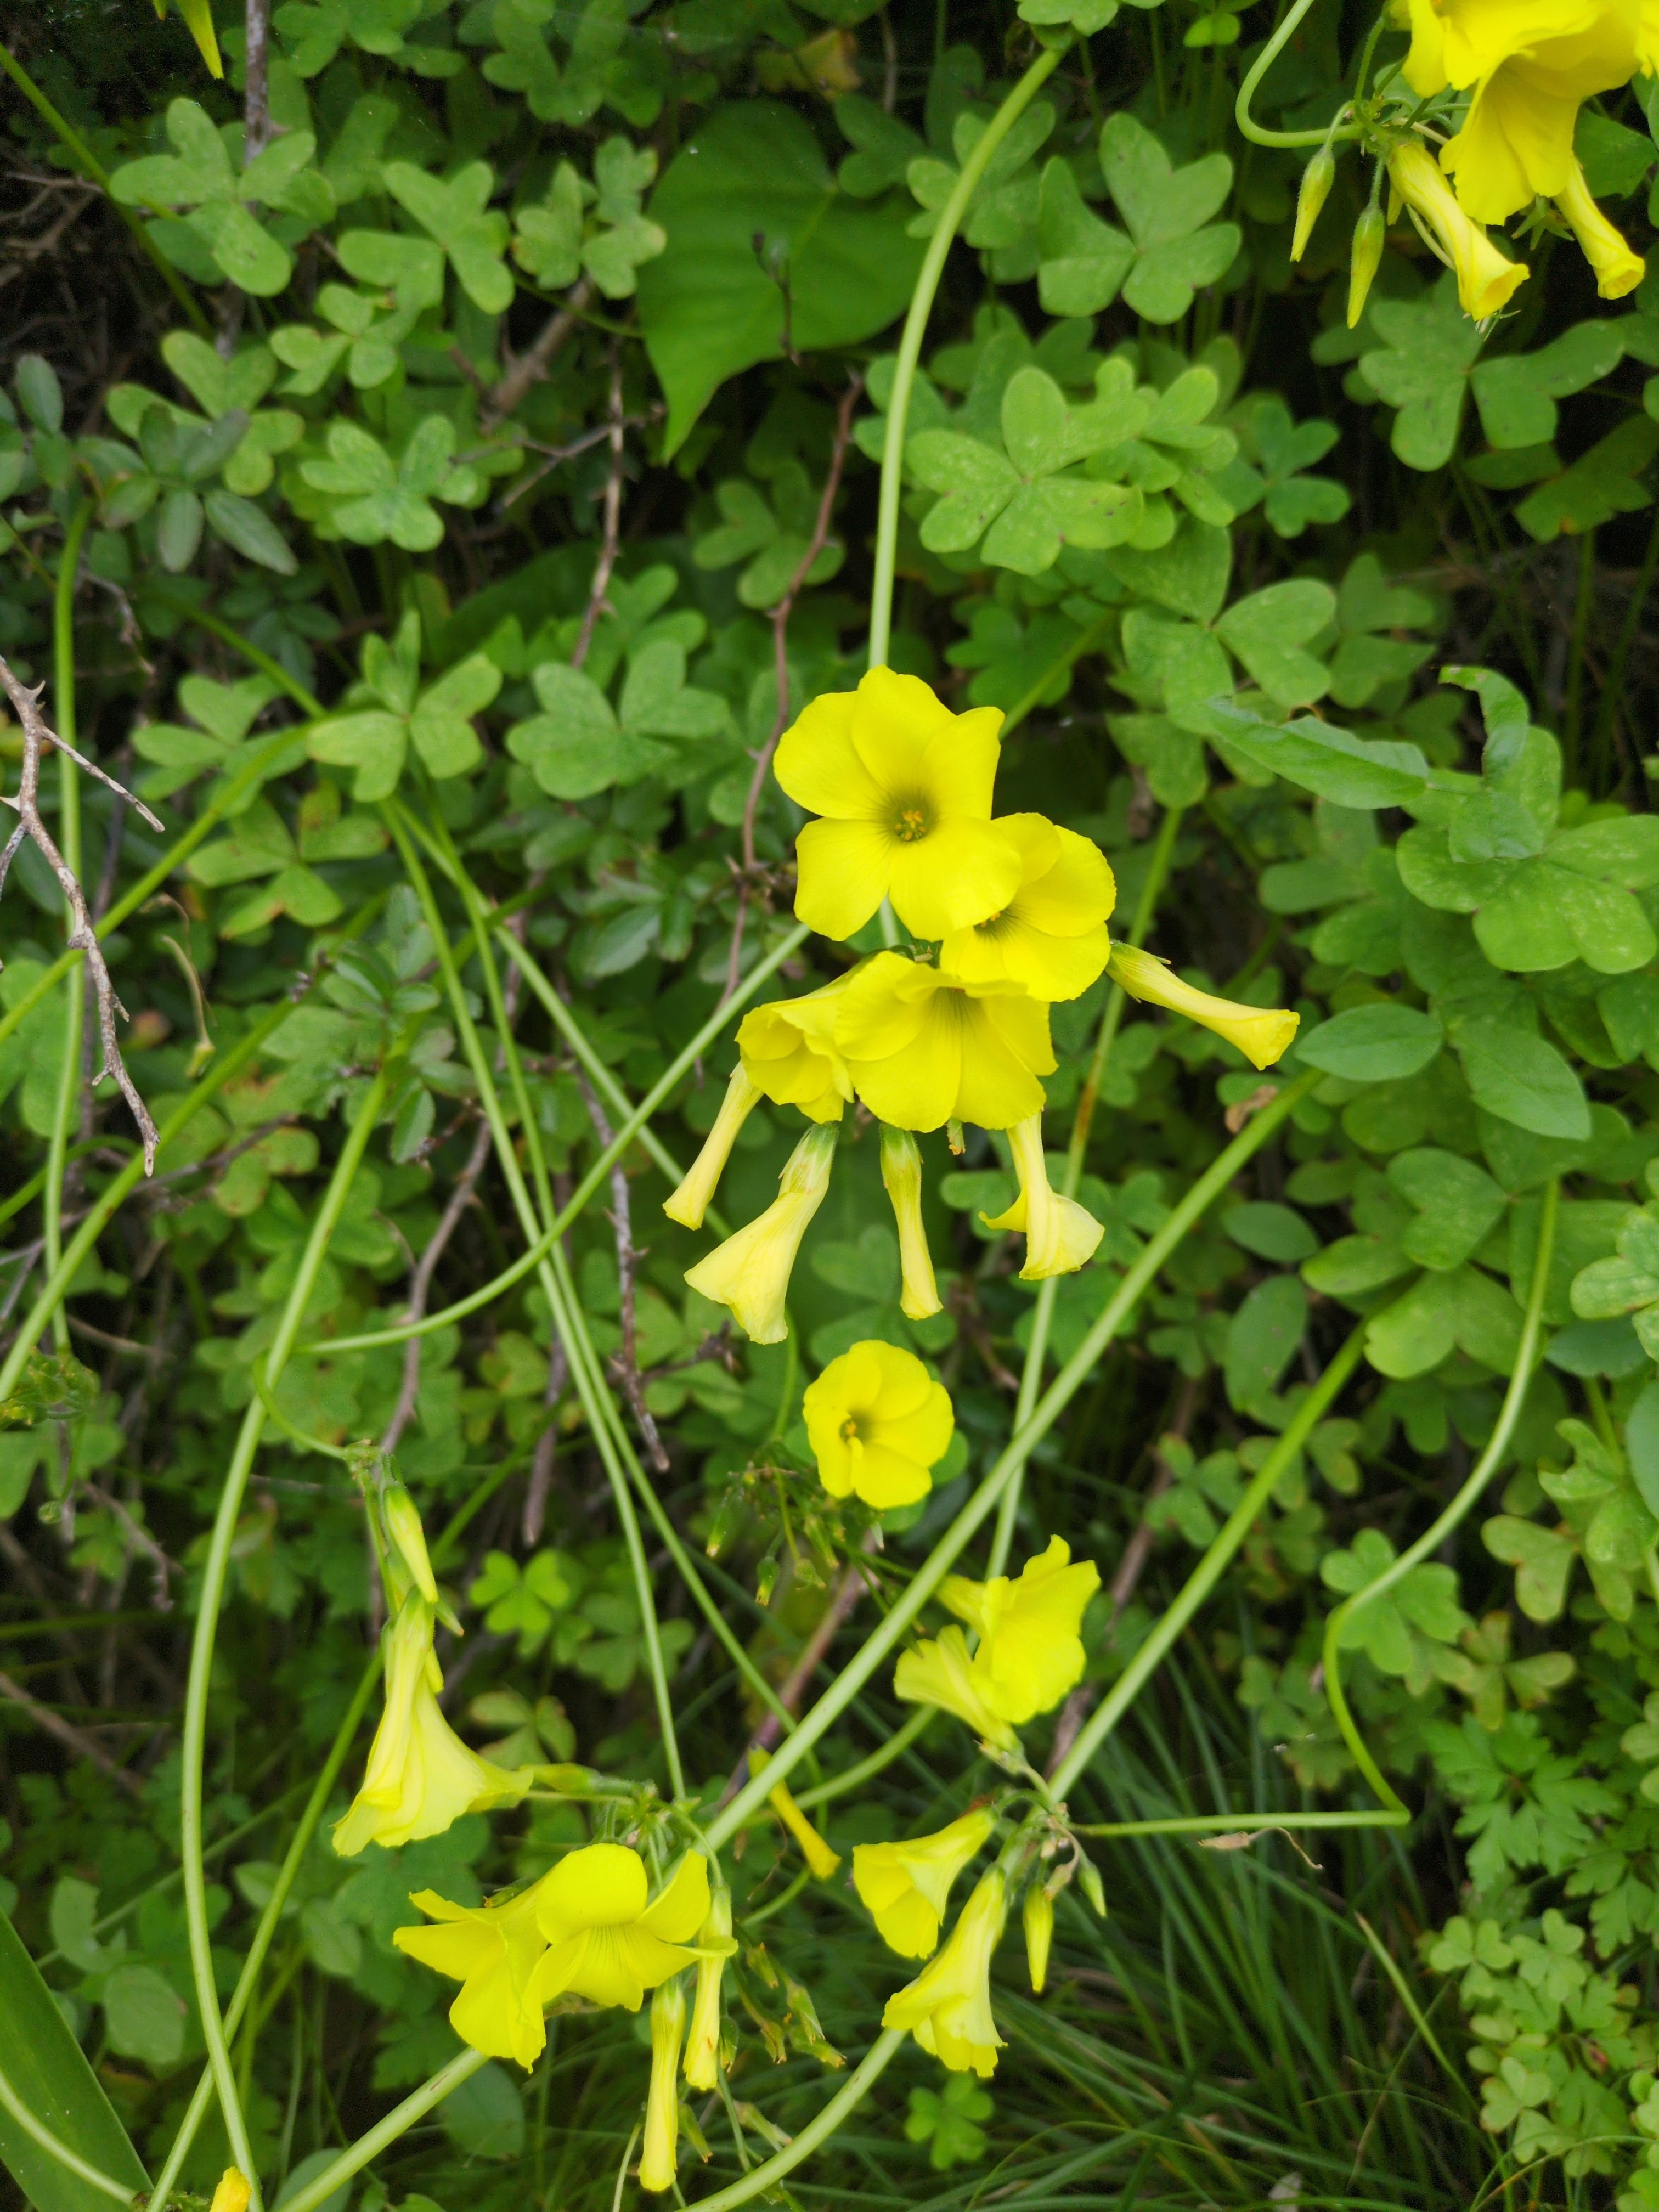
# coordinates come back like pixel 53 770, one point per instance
pixel 1009 914
pixel 1029 1653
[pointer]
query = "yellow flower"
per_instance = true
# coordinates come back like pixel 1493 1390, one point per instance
pixel 901 1178
pixel 1458 42
pixel 1029 1653
pixel 925 1047
pixel 1485 279
pixel 714 1946
pixel 750 1272
pixel 940 1672
pixel 1262 1034
pixel 1618 269
pixel 420 1775
pixel 1051 935
pixel 905 1886
pixel 789 1053
pixel 821 1860
pixel 1038 1919
pixel 605 1942
pixel 905 787
pixel 659 2160
pixel 492 1951
pixel 402 1523
pixel 233 2192
pixel 1060 1234
pixel 948 2006
pixel 878 1424
pixel 690 1201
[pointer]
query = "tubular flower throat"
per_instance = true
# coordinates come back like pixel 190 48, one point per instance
pixel 659 2160
pixel 878 1424
pixel 714 1946
pixel 948 2006
pixel 924 1047
pixel 904 787
pixel 1618 269
pixel 689 1203
pixel 940 1672
pixel 1262 1034
pixel 905 1887
pixel 750 1272
pixel 1030 1652
pixel 1486 279
pixel 606 1942
pixel 901 1178
pixel 420 1775
pixel 1038 1919
pixel 789 1054
pixel 492 1950
pixel 1051 936
pixel 1061 1235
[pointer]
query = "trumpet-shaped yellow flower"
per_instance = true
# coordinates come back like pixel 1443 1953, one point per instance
pixel 905 1886
pixel 659 2160
pixel 420 1775
pixel 715 1948
pixel 1262 1034
pixel 1619 267
pixel 924 1047
pixel 492 1950
pixel 402 1523
pixel 233 2192
pixel 789 1053
pixel 905 787
pixel 1051 936
pixel 1038 1919
pixel 940 1672
pixel 1030 1652
pixel 901 1177
pixel 878 1424
pixel 1060 1234
pixel 606 1942
pixel 948 2006
pixel 821 1860
pixel 750 1272
pixel 1485 279
pixel 690 1201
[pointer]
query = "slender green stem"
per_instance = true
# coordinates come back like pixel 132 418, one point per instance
pixel 1054 1401
pixel 915 325
pixel 850 2095
pixel 69 842
pixel 71 2160
pixel 1043 1313
pixel 214 1577
pixel 397 2121
pixel 1234 1824
pixel 854 1777
pixel 1210 1568
pixel 1514 1398
pixel 1613 682
pixel 1085 642
pixel 1264 61
pixel 1385 1959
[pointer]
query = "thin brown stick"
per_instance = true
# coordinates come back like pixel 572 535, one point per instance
pixel 626 1366
pixel 420 1284
pixel 161 1565
pixel 530 367
pixel 83 937
pixel 256 133
pixel 71 1737
pixel 611 538
pixel 543 1459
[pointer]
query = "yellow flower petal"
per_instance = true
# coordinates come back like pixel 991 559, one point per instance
pixel 817 765
pixel 940 1672
pixel 948 2006
pixel 1060 1235
pixel 901 1177
pixel 602 1885
pixel 788 1050
pixel 658 2157
pixel 750 1272
pixel 843 873
pixel 1262 1034
pixel 689 1203
pixel 905 1886
pixel 958 873
pixel 1029 1653
pixel 681 1906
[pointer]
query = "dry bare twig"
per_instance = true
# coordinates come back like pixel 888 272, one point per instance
pixel 627 1365
pixel 71 1738
pixel 83 937
pixel 611 539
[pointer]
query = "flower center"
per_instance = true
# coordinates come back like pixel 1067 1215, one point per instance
pixel 849 1430
pixel 911 822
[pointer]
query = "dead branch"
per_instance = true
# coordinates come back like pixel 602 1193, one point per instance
pixel 71 1738
pixel 83 937
pixel 257 130
pixel 626 1367
pixel 420 1283
pixel 530 367
pixel 612 537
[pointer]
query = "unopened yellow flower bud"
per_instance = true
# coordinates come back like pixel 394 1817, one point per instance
pixel 659 2161
pixel 233 2192
pixel 1315 189
pixel 703 2043
pixel 403 1526
pixel 1038 1919
pixel 1060 1234
pixel 901 1176
pixel 816 1853
pixel 750 1272
pixel 1262 1034
pixel 690 1201
pixel 1364 259
pixel 1619 267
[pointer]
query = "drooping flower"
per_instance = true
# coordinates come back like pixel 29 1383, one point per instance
pixel 492 1950
pixel 715 1948
pixel 904 787
pixel 924 1047
pixel 659 2160
pixel 901 1178
pixel 1061 1235
pixel 750 1272
pixel 948 2006
pixel 1486 278
pixel 1051 935
pixel 1038 1919
pixel 905 1886
pixel 1262 1034
pixel 690 1201
pixel 821 1860
pixel 1619 267
pixel 878 1424
pixel 607 1940
pixel 420 1775
pixel 789 1053
pixel 940 1671
pixel 1029 1653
